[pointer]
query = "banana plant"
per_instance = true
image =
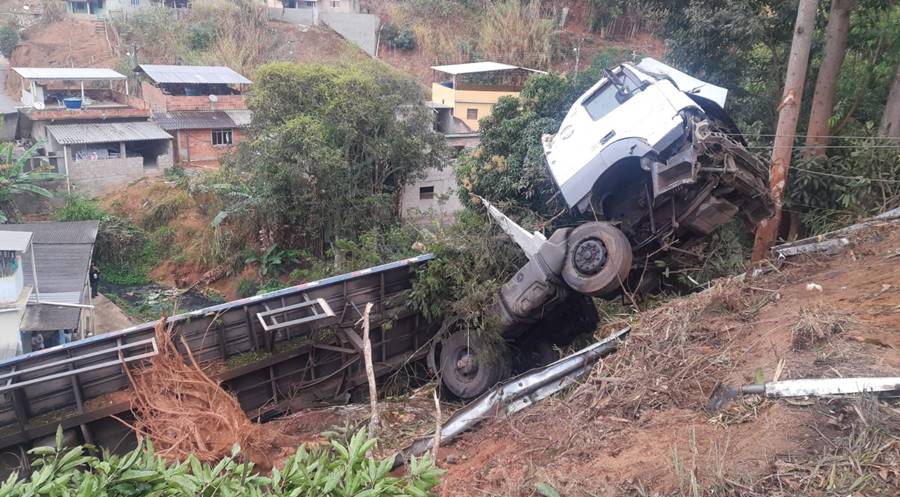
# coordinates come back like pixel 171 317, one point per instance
pixel 15 179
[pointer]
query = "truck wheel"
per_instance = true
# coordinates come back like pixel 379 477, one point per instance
pixel 597 260
pixel 468 368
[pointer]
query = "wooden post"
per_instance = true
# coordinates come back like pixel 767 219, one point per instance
pixel 788 114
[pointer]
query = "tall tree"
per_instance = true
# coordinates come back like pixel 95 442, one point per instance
pixel 826 82
pixel 789 113
pixel 890 120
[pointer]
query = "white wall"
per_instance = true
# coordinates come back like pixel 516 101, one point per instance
pixel 444 202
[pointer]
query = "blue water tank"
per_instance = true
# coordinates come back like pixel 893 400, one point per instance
pixel 72 103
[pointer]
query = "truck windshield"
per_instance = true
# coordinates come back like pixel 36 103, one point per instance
pixel 607 98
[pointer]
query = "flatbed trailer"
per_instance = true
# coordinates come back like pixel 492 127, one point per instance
pixel 289 348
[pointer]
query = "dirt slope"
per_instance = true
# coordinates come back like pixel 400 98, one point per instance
pixel 637 426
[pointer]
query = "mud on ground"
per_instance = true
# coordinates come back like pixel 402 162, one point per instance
pixel 638 425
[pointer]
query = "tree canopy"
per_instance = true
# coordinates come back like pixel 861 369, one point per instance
pixel 330 150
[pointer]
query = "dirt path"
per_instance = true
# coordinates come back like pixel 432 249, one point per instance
pixel 109 317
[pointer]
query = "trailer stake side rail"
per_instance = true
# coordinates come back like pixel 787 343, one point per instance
pixel 275 351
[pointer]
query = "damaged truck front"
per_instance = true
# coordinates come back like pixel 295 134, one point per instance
pixel 652 165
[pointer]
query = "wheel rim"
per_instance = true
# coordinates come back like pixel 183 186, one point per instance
pixel 589 256
pixel 465 364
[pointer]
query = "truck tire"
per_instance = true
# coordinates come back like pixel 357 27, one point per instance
pixel 598 259
pixel 468 368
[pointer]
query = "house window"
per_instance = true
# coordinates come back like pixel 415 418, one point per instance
pixel 426 192
pixel 135 2
pixel 79 7
pixel 472 114
pixel 221 137
pixel 335 4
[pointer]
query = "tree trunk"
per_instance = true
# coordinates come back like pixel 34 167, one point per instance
pixel 788 115
pixel 890 120
pixel 826 82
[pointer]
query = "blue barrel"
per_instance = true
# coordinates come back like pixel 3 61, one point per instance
pixel 72 103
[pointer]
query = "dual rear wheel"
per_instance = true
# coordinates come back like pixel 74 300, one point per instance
pixel 598 260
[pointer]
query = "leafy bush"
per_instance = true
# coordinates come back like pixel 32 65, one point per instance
pixel 274 261
pixel 472 261
pixel 125 252
pixel 78 208
pixel 119 240
pixel 247 287
pixel 9 37
pixel 395 37
pixel 201 34
pixel 332 149
pixel 336 471
pixel 853 183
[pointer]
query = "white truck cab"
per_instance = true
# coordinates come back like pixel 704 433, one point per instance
pixel 635 110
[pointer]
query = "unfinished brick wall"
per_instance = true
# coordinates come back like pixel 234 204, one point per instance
pixel 160 102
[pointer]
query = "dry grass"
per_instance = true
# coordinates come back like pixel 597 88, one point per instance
pixel 242 31
pixel 673 356
pixel 864 459
pixel 815 324
pixel 515 31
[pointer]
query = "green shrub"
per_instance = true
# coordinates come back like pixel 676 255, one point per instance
pixel 119 240
pixel 338 470
pixel 78 208
pixel 202 34
pixel 247 287
pixel 395 37
pixel 9 37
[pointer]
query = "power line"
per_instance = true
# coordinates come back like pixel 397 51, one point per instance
pixel 841 176
pixel 814 136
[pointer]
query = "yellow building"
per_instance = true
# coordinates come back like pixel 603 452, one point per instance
pixel 471 90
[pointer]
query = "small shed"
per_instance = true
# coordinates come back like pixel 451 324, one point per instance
pixel 59 270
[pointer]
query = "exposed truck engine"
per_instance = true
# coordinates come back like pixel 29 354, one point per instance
pixel 652 165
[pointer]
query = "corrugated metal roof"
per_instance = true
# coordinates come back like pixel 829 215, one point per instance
pixel 68 73
pixel 241 118
pixel 476 67
pixel 62 254
pixel 59 233
pixel 194 120
pixel 42 317
pixel 68 134
pixel 193 74
pixel 14 240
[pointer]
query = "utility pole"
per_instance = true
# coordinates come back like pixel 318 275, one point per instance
pixel 788 114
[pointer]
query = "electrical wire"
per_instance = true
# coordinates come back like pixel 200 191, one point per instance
pixel 841 176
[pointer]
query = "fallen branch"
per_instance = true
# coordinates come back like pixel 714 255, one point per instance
pixel 375 420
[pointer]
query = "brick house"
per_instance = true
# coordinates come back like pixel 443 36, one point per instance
pixel 203 107
pixel 91 129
